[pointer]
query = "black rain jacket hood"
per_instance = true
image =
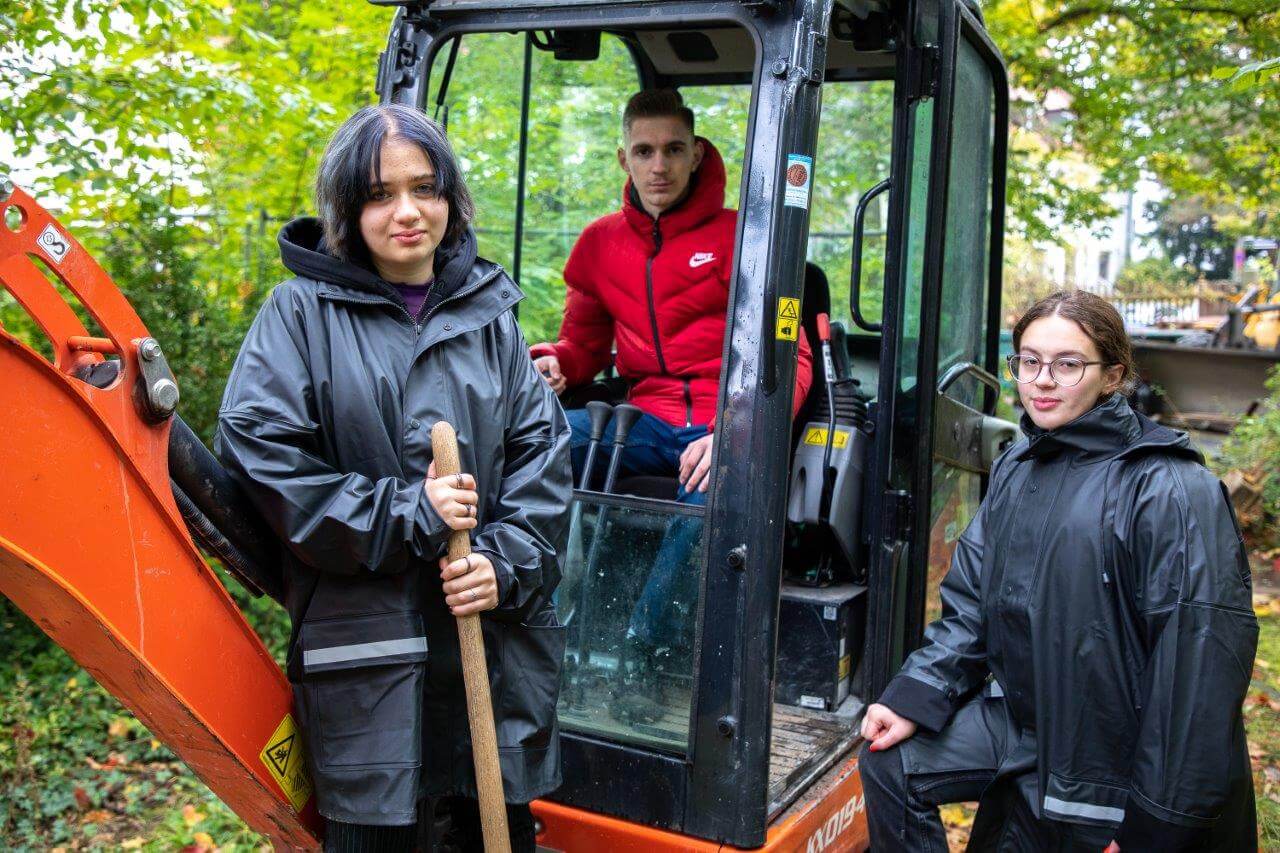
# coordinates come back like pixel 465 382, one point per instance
pixel 326 422
pixel 1103 584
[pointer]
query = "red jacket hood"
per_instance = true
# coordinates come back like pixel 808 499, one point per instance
pixel 703 202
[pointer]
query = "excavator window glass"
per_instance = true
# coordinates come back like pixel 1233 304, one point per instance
pixel 633 570
pixel 571 172
pixel 957 492
pixel 852 156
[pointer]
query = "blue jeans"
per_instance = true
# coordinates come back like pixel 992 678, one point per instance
pixel 663 614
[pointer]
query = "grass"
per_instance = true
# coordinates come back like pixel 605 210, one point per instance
pixel 1262 721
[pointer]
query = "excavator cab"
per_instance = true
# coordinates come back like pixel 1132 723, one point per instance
pixel 865 146
pixel 865 142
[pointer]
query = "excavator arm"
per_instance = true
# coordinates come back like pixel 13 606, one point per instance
pixel 96 549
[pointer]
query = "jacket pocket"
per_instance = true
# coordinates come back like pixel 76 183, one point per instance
pixel 363 684
pixel 533 657
pixel 1088 801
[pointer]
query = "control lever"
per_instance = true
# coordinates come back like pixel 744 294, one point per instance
pixel 599 413
pixel 625 417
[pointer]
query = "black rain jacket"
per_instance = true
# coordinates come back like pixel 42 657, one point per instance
pixel 1105 586
pixel 326 423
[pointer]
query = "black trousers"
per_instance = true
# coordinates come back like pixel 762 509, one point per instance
pixel 980 747
pixel 449 825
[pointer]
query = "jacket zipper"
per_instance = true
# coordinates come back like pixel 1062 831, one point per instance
pixel 688 404
pixel 648 284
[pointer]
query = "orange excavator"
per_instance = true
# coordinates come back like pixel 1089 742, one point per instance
pixel 820 538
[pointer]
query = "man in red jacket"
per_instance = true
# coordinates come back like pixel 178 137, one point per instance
pixel 653 280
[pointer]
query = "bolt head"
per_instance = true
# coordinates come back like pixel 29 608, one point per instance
pixel 779 68
pixel 150 349
pixel 164 396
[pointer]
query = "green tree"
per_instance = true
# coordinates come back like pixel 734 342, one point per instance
pixel 1140 77
pixel 1189 232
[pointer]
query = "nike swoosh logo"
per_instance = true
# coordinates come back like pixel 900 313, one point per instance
pixel 701 259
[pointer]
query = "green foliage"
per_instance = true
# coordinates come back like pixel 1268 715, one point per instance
pixel 1191 233
pixel 1255 444
pixel 79 770
pixel 1140 77
pixel 1250 74
pixel 1155 278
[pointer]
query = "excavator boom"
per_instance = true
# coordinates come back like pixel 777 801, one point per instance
pixel 94 549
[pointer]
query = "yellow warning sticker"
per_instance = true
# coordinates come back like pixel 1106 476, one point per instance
pixel 818 436
pixel 788 318
pixel 285 762
pixel 843 669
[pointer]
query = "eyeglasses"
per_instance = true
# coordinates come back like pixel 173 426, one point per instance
pixel 1066 371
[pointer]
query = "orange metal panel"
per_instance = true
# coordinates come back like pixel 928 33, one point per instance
pixel 92 546
pixel 829 818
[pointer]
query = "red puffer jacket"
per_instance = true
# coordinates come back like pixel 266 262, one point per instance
pixel 660 289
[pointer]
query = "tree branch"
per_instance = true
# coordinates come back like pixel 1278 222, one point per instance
pixel 1128 12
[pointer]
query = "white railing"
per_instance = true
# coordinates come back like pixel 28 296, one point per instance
pixel 1152 312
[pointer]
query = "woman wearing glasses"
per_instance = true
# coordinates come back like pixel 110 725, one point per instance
pixel 1085 678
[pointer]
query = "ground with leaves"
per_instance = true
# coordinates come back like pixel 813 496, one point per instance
pixel 80 772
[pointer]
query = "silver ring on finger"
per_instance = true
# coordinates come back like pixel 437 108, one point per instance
pixel 473 593
pixel 471 510
pixel 468 559
pixel 457 479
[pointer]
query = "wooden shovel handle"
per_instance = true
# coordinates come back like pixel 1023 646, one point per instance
pixel 475 675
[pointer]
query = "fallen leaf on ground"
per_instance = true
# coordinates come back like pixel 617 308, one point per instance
pixel 119 727
pixel 82 798
pixel 956 815
pixel 133 843
pixel 96 816
pixel 190 816
pixel 1259 699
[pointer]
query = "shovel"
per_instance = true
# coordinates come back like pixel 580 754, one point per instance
pixel 475 675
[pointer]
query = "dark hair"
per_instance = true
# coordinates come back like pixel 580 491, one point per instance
pixel 656 103
pixel 352 164
pixel 1097 318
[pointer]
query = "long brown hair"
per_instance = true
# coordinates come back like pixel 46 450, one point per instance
pixel 1097 318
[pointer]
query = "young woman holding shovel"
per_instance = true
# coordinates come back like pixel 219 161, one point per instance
pixel 390 324
pixel 1084 681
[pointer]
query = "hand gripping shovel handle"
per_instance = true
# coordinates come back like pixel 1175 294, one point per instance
pixel 475 675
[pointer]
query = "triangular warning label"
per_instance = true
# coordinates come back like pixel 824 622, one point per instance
pixel 789 310
pixel 278 754
pixel 285 760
